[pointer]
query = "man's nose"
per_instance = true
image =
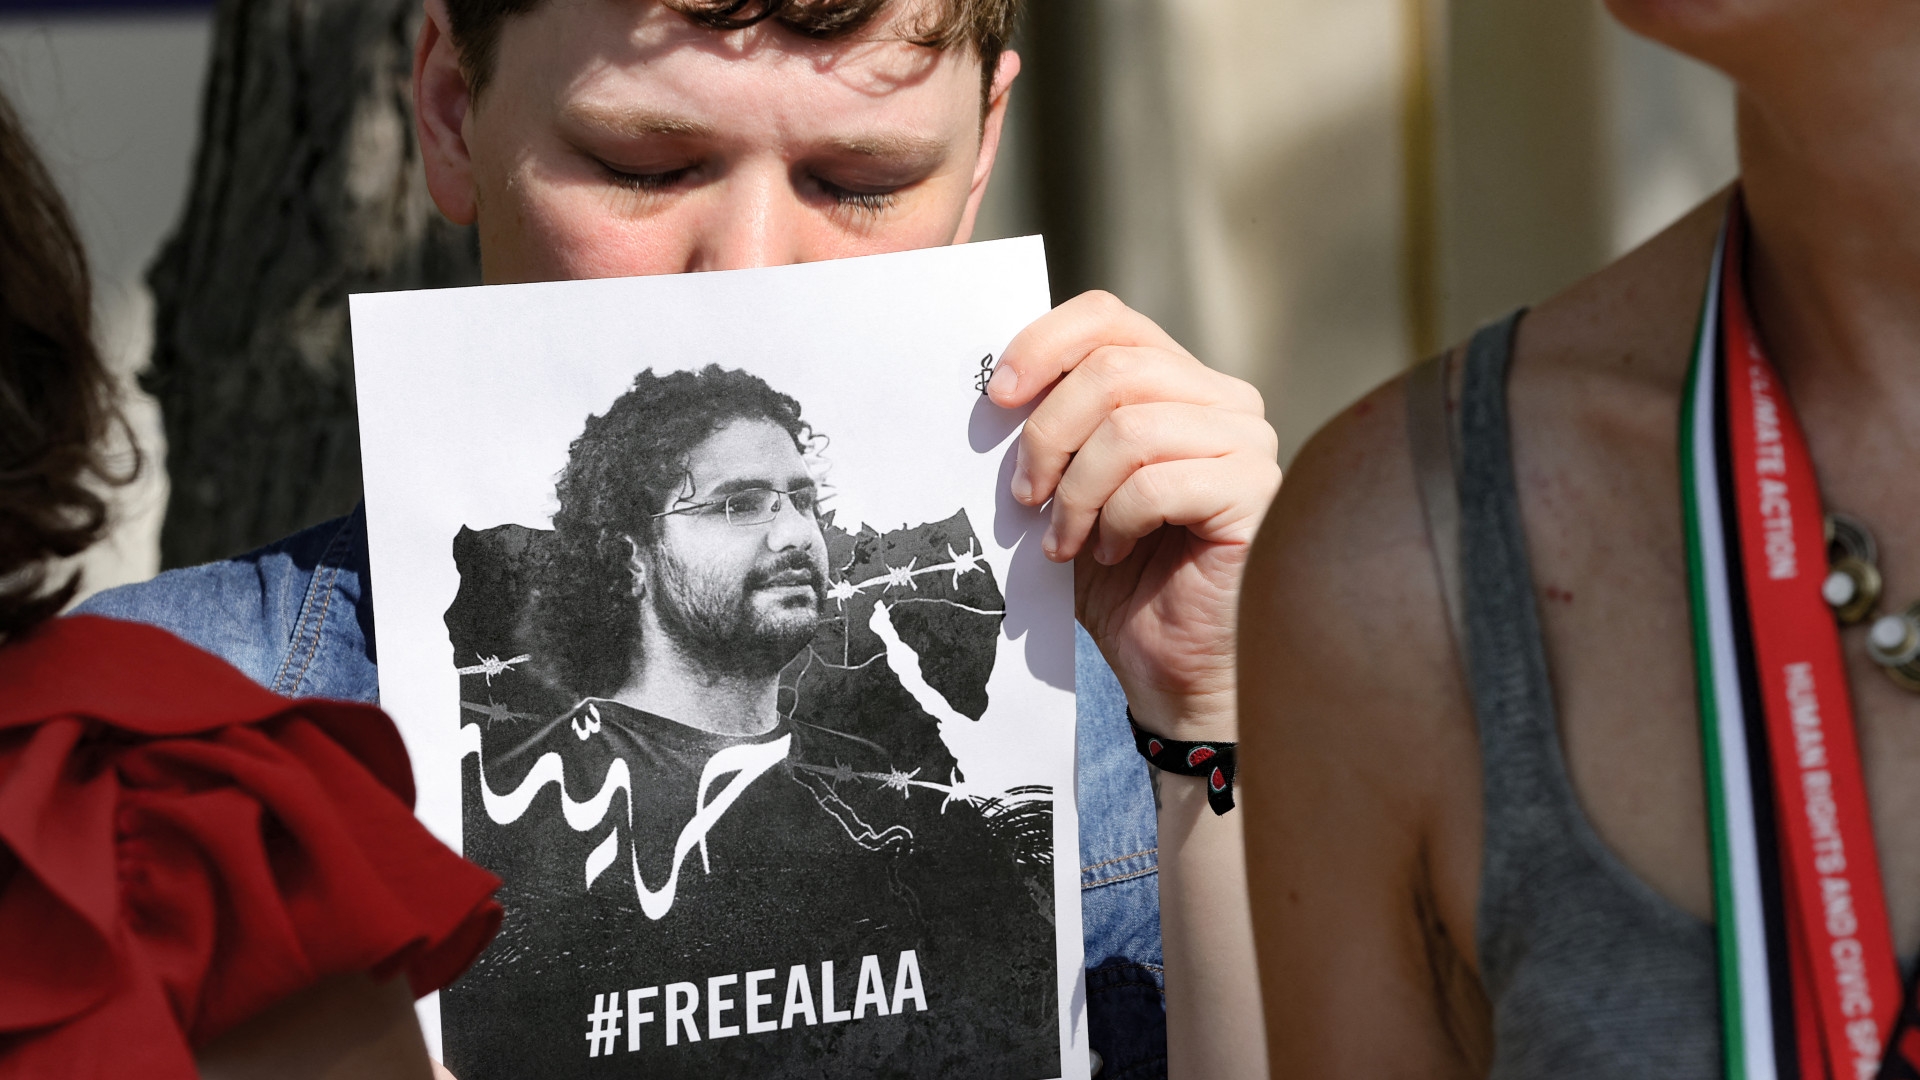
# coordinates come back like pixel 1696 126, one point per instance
pixel 756 221
pixel 793 527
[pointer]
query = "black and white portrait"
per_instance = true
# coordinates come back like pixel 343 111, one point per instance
pixel 712 777
pixel 719 642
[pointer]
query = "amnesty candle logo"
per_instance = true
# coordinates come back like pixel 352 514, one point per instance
pixel 985 376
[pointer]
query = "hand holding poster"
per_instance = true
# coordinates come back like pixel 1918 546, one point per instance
pixel 713 633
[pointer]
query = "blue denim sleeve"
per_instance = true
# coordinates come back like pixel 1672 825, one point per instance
pixel 1119 880
pixel 296 616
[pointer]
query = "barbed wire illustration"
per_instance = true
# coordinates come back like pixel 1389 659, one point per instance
pixel 491 666
pixel 902 577
pixel 494 710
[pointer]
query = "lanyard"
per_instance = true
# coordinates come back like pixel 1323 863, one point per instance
pixel 1808 982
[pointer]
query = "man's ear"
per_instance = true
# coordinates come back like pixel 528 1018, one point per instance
pixel 441 103
pixel 991 125
pixel 636 566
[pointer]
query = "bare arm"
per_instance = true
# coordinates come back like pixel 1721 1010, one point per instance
pixel 1361 772
pixel 343 1028
pixel 1214 1024
pixel 1158 470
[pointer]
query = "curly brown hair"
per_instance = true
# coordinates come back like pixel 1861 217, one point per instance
pixel 621 473
pixel 984 25
pixel 57 403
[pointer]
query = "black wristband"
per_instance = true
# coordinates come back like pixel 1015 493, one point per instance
pixel 1213 761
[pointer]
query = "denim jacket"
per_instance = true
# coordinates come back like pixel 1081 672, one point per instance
pixel 297 617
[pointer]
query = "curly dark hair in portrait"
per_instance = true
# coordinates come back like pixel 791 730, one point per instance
pixel 624 468
pixel 56 395
pixel 984 25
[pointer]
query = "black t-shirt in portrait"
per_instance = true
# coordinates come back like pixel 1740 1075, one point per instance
pixel 798 848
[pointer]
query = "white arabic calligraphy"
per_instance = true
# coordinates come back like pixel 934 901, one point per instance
pixel 746 763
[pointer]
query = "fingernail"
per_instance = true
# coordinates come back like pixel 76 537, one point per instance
pixel 1003 381
pixel 1050 543
pixel 1022 487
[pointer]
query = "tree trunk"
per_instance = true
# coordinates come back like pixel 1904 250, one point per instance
pixel 307 186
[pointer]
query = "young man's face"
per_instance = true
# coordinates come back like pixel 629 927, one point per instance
pixel 615 137
pixel 737 570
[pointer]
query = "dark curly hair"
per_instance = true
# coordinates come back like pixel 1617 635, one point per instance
pixel 57 403
pixel 623 469
pixel 984 25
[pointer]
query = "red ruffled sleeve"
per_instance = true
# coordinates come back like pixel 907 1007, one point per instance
pixel 180 848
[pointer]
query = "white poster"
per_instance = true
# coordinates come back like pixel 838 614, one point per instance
pixel 712 631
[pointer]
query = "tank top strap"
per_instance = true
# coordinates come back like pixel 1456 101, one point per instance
pixel 1530 808
pixel 1590 973
pixel 1505 655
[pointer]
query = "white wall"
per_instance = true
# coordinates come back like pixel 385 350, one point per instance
pixel 1672 136
pixel 112 102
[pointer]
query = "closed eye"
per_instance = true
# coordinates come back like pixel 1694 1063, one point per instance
pixel 867 202
pixel 664 180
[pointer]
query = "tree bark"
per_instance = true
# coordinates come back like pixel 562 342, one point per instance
pixel 307 186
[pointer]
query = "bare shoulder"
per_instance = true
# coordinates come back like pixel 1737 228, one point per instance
pixel 1360 765
pixel 1633 319
pixel 1361 755
pixel 1343 554
pixel 1347 660
pixel 1346 654
pixel 1342 590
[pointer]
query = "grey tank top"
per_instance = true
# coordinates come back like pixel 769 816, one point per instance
pixel 1591 974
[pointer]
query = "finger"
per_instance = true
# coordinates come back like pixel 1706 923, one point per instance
pixel 1058 341
pixel 1114 377
pixel 1221 500
pixel 1131 439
